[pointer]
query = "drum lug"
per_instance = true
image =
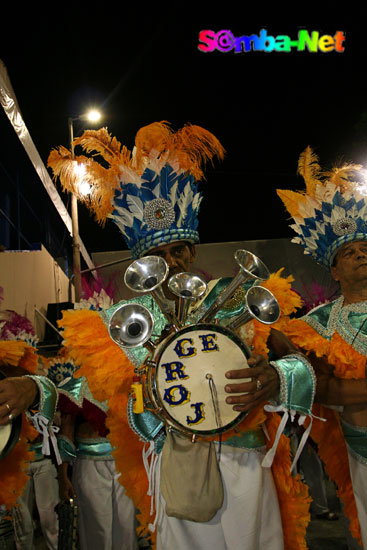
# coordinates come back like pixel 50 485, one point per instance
pixel 150 346
pixel 155 410
pixel 151 364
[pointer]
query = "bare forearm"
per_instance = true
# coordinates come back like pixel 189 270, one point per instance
pixel 66 490
pixel 335 391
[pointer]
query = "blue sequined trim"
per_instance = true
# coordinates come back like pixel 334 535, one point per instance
pixel 165 236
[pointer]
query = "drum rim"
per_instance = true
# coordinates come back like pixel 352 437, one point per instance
pixel 152 379
pixel 15 431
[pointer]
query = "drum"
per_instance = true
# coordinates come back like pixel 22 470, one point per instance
pixel 186 381
pixel 9 434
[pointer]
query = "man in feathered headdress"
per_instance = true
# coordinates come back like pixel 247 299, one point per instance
pixel 330 219
pixel 152 196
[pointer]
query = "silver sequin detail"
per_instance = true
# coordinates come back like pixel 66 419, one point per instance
pixel 159 214
pixel 344 226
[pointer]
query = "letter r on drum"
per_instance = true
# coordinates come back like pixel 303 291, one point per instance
pixel 174 371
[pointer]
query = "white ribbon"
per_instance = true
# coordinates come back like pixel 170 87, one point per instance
pixel 302 443
pixel 153 475
pixel 42 425
pixel 265 430
pixel 269 457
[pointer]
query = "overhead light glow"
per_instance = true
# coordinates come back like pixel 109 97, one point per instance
pixel 93 115
pixel 79 170
pixel 84 188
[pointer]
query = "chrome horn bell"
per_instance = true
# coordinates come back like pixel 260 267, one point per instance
pixel 131 325
pixel 251 267
pixel 189 288
pixel 147 275
pixel 261 305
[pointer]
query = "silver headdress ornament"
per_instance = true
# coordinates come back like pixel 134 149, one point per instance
pixel 151 192
pixel 331 211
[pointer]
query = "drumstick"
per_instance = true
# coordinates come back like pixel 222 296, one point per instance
pixel 214 395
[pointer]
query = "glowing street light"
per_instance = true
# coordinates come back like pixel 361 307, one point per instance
pixel 93 116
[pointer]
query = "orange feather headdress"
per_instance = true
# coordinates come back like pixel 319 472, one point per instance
pixel 150 193
pixel 331 211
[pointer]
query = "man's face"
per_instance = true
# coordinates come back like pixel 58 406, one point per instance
pixel 350 267
pixel 179 257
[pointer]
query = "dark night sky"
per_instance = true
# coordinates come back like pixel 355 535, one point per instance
pixel 141 65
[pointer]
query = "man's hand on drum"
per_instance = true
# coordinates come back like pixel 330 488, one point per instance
pixel 16 395
pixel 261 385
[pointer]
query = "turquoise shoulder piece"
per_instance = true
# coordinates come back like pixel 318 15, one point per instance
pixel 321 313
pixel 352 326
pixel 77 389
pixel 357 321
pixel 73 389
pixel 349 321
pixel 319 319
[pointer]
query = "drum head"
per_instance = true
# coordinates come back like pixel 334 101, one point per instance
pixel 9 434
pixel 189 379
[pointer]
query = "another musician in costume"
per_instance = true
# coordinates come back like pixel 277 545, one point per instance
pixel 106 516
pixel 21 391
pixel 330 219
pixel 152 196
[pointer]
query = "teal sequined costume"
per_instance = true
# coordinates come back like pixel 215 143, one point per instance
pixel 246 448
pixel 343 332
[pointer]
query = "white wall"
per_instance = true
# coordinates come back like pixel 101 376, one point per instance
pixel 29 279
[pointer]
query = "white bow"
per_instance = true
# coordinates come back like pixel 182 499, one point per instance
pixel 269 457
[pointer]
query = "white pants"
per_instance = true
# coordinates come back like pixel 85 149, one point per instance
pixel 107 519
pixel 42 489
pixel 358 472
pixel 249 518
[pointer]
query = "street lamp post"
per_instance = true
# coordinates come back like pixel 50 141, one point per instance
pixel 92 116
